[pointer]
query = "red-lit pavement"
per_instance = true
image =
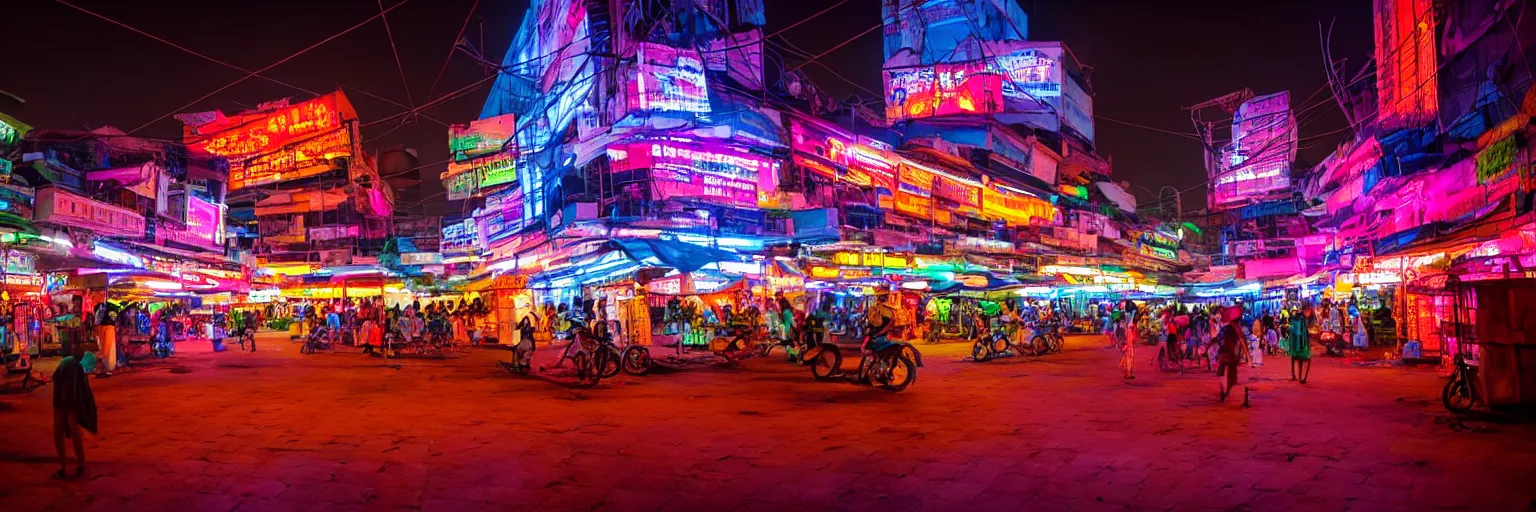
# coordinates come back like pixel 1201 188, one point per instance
pixel 276 430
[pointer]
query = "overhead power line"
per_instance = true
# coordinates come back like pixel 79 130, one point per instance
pixel 273 65
pixel 389 33
pixel 449 57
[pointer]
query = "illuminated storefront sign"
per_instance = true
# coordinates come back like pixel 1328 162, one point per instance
pixel 1493 162
pixel 914 191
pixel 291 142
pixel 482 138
pixel 944 89
pixel 16 200
pixel 964 196
pixel 668 79
pixel 421 258
pixel 204 226
pixel 1017 208
pixel 67 209
pixel 870 259
pixel 697 170
pixel 459 235
pixel 1157 252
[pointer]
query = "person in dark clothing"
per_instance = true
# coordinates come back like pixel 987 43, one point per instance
pixel 74 408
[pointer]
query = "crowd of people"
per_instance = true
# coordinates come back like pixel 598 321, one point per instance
pixel 368 321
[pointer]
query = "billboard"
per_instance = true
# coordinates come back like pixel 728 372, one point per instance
pixel 695 169
pixel 481 138
pixel 204 226
pixel 667 79
pixel 466 179
pixel 1023 77
pixel 277 144
pixel 1263 145
pixel 942 90
pixel 459 235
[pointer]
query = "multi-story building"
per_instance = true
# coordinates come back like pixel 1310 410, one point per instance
pixel 298 171
pixel 602 127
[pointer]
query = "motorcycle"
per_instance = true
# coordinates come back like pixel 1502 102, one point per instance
pixel 890 365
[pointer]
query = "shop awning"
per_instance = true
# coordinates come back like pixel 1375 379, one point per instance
pixel 683 256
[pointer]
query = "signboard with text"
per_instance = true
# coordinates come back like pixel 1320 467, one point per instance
pixel 279 144
pixel 697 170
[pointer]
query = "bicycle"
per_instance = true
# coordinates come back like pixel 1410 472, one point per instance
pixel 1461 393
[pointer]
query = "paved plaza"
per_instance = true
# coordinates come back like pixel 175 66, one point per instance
pixel 277 430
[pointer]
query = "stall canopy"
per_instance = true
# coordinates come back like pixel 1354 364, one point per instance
pixel 683 256
pixel 976 282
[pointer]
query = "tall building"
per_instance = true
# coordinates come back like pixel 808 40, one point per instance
pixel 298 171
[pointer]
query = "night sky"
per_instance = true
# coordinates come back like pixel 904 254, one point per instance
pixel 1149 58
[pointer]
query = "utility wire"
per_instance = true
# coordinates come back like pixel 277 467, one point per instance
pixel 392 49
pixel 808 18
pixel 1153 128
pixel 273 65
pixel 451 47
pixel 390 101
pixel 835 48
pixel 182 48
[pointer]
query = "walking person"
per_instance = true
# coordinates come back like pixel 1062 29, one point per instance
pixel 1233 350
pixel 1128 349
pixel 1301 346
pixel 74 408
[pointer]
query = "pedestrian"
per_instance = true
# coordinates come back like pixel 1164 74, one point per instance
pixel 1232 352
pixel 1128 350
pixel 1301 346
pixel 74 408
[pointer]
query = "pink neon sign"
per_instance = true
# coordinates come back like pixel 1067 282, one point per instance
pixel 699 170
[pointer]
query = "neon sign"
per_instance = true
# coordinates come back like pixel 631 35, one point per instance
pixel 301 160
pixel 204 226
pixel 483 137
pixel 280 140
pixel 1017 209
pixel 697 170
pixel 668 79
pixel 459 235
pixel 914 191
pixel 942 90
